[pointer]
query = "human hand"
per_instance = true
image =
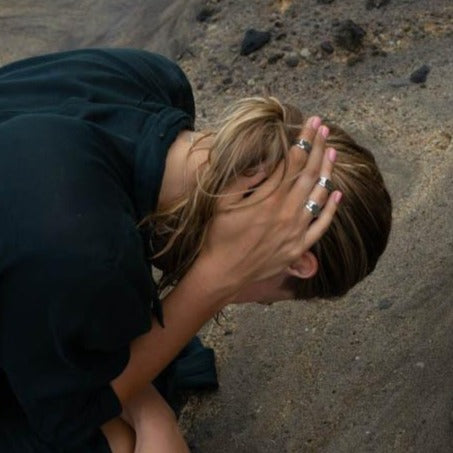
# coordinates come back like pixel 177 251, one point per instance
pixel 257 237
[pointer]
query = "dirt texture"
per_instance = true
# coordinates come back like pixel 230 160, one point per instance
pixel 373 371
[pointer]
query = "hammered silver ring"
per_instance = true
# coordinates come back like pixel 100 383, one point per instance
pixel 303 144
pixel 326 183
pixel 313 207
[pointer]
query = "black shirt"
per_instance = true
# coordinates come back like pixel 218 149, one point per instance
pixel 83 142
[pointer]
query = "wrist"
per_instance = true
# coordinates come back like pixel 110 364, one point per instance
pixel 208 277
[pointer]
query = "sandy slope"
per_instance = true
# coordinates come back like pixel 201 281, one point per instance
pixel 372 372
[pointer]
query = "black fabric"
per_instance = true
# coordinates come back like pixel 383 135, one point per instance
pixel 193 370
pixel 83 142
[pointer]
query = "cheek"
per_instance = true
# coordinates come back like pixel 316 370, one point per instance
pixel 266 292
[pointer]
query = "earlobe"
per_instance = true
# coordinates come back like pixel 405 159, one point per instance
pixel 305 267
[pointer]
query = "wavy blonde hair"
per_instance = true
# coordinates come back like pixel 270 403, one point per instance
pixel 257 132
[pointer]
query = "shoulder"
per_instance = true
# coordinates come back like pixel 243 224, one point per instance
pixel 164 78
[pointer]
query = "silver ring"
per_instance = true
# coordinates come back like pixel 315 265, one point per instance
pixel 303 144
pixel 326 183
pixel 313 207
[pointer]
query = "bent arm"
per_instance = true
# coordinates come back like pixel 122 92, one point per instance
pixel 246 244
pixel 195 300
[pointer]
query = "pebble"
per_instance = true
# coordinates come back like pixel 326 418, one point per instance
pixel 325 2
pixel 377 52
pixel 262 63
pixel 227 80
pixel 275 57
pixel 349 35
pixel 384 304
pixel 420 364
pixel 420 75
pixel 327 47
pixel 205 13
pixel 370 4
pixel 305 53
pixel 354 59
pixel 254 40
pixel 292 59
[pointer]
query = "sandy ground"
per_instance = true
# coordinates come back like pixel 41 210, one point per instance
pixel 372 372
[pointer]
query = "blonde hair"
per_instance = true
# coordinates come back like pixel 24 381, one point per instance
pixel 257 132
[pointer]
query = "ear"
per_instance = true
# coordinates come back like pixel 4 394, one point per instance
pixel 305 267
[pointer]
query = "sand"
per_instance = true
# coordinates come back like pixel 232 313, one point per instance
pixel 373 371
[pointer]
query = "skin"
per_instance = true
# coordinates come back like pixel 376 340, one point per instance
pixel 247 254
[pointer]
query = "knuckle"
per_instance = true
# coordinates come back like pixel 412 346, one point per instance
pixel 311 172
pixel 285 218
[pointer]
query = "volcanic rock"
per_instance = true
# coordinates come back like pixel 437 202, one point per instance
pixel 349 35
pixel 420 75
pixel 254 40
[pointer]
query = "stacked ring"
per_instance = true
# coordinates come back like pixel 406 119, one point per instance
pixel 313 207
pixel 303 144
pixel 326 183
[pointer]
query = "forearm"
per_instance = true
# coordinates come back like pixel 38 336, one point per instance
pixel 195 300
pixel 120 436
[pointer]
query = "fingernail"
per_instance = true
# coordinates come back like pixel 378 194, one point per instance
pixel 337 196
pixel 315 122
pixel 324 131
pixel 332 154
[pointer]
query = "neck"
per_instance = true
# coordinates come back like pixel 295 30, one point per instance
pixel 186 154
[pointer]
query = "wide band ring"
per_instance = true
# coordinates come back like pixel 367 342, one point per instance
pixel 313 207
pixel 326 183
pixel 303 144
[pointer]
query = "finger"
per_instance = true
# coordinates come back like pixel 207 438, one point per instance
pixel 317 228
pixel 296 160
pixel 320 194
pixel 317 153
pixel 304 190
pixel 297 155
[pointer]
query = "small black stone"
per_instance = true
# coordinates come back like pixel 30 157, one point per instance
pixel 352 61
pixel 275 57
pixel 325 2
pixel 292 60
pixel 281 36
pixel 205 13
pixel 420 75
pixel 327 47
pixel 349 35
pixel 227 80
pixel 377 52
pixel 370 4
pixel 254 40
